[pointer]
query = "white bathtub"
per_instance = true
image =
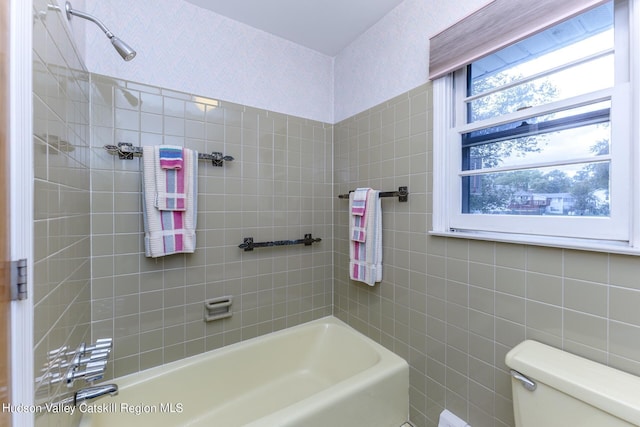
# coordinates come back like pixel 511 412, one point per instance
pixel 319 374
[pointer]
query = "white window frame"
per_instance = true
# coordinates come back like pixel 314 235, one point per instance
pixel 617 233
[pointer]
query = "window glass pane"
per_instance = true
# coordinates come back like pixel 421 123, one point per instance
pixel 568 46
pixel 560 85
pixel 572 190
pixel 551 138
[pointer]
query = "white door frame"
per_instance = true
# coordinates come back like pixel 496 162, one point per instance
pixel 21 199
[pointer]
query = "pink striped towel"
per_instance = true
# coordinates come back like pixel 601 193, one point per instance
pixel 359 204
pixel 169 232
pixel 359 215
pixel 171 187
pixel 365 263
pixel 170 157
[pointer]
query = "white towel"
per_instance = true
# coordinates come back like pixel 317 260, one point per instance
pixel 365 263
pixel 169 232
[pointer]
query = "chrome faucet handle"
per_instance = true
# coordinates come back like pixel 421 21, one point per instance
pixel 77 355
pixel 78 361
pixel 102 354
pixel 93 371
pixel 58 353
pixel 100 344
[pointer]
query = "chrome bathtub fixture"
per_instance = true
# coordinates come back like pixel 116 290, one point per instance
pixel 125 51
pixel 88 362
pixel 93 371
pixel 94 360
pixel 89 393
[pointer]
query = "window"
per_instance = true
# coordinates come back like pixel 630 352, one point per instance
pixel 532 142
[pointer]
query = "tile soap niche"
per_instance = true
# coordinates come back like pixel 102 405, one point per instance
pixel 217 308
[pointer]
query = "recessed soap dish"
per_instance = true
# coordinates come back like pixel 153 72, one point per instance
pixel 217 308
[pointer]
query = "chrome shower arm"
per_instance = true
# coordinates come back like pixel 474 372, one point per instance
pixel 73 12
pixel 123 49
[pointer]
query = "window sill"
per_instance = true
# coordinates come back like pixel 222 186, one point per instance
pixel 555 242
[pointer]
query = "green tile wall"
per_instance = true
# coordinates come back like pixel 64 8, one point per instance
pixel 278 187
pixel 454 307
pixel 62 245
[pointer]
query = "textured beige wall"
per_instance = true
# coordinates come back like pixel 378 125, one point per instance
pixel 279 187
pixel 454 307
pixel 62 246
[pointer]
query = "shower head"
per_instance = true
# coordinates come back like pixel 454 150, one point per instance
pixel 125 51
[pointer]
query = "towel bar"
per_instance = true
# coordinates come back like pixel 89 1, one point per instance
pixel 126 151
pixel 402 194
pixel 249 244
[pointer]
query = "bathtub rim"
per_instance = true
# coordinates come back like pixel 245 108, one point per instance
pixel 390 369
pixel 134 378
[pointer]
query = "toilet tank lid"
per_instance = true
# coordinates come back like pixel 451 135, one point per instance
pixel 606 388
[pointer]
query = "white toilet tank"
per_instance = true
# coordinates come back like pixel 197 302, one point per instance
pixel 570 391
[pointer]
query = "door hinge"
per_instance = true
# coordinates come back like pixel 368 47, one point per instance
pixel 19 280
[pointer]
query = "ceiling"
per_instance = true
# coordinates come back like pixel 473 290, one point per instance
pixel 326 26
